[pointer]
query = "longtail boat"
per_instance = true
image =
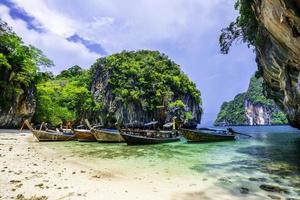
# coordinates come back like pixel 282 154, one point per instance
pixel 85 135
pixel 133 136
pixel 107 135
pixel 142 137
pixel 207 135
pixel 50 135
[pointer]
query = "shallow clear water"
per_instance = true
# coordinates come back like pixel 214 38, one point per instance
pixel 271 157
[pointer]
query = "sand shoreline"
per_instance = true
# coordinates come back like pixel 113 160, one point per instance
pixel 30 169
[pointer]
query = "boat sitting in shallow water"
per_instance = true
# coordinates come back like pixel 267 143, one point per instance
pixel 107 135
pixel 141 137
pixel 150 134
pixel 50 135
pixel 84 135
pixel 207 135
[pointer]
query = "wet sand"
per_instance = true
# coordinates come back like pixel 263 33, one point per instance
pixel 31 170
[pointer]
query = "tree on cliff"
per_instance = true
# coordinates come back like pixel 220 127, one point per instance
pixel 143 86
pixel 19 65
pixel 65 97
pixel 244 28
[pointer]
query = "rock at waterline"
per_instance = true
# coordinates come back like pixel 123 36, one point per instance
pixel 272 188
pixel 244 190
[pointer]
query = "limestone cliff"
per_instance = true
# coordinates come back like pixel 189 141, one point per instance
pixel 143 86
pixel 20 108
pixel 18 69
pixel 250 108
pixel 278 56
pixel 272 27
pixel 257 114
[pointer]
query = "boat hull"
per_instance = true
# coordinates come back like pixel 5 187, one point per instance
pixel 141 140
pixel 84 135
pixel 107 136
pixel 44 136
pixel 204 136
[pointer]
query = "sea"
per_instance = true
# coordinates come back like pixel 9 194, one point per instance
pixel 263 166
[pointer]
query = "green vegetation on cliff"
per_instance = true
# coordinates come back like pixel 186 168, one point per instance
pixel 65 98
pixel 255 93
pixel 145 75
pixel 19 65
pixel 244 28
pixel 147 80
pixel 234 112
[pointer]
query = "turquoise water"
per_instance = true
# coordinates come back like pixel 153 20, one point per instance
pixel 271 158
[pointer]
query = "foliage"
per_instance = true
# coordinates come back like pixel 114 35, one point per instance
pixel 255 93
pixel 233 112
pixel 65 98
pixel 178 110
pixel 244 28
pixel 44 76
pixel 187 116
pixel 177 104
pixel 278 117
pixel 146 78
pixel 48 107
pixel 71 72
pixel 18 65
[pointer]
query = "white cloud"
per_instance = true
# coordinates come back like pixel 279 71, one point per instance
pixel 62 52
pixel 130 24
pixel 55 22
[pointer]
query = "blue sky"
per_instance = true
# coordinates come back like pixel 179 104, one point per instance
pixel 78 32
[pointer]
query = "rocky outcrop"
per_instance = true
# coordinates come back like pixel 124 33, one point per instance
pixel 21 108
pixel 278 56
pixel 250 108
pixel 257 114
pixel 18 73
pixel 138 87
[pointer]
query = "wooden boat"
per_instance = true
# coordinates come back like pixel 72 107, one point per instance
pixel 207 135
pixel 84 135
pixel 107 135
pixel 150 135
pixel 50 135
pixel 142 137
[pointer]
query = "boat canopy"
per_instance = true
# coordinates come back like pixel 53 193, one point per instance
pixel 216 130
pixel 168 125
pixel 80 126
pixel 151 123
pixel 110 130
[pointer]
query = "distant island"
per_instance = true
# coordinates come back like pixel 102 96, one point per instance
pixel 251 108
